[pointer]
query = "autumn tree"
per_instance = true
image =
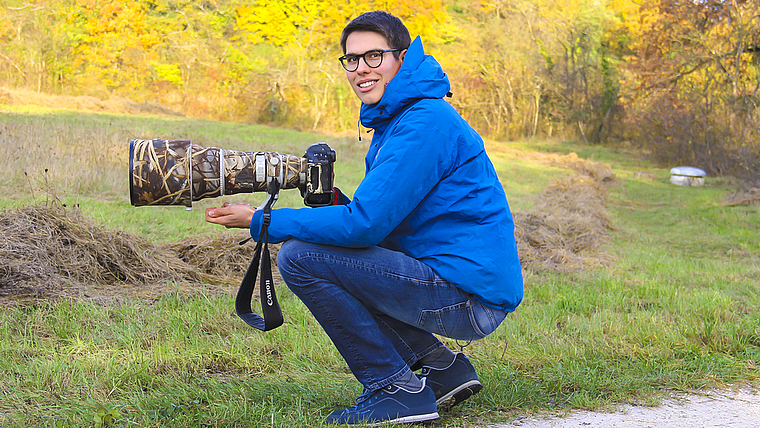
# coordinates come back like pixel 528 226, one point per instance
pixel 36 40
pixel 542 67
pixel 697 81
pixel 494 85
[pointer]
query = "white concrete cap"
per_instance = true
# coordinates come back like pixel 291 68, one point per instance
pixel 688 171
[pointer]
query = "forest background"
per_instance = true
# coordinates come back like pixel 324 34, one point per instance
pixel 679 79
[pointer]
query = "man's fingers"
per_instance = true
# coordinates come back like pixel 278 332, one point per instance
pixel 231 215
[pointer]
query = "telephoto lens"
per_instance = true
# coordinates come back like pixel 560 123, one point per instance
pixel 178 172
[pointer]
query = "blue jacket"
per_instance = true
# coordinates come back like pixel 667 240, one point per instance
pixel 429 191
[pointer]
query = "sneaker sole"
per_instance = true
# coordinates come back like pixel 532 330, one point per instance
pixel 409 419
pixel 459 394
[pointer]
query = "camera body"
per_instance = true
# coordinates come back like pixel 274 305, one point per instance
pixel 318 191
pixel 178 172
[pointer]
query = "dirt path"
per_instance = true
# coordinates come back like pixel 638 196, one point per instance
pixel 736 409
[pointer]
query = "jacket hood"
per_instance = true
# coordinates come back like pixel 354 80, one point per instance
pixel 420 76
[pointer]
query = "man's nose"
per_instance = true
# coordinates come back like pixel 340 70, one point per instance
pixel 363 67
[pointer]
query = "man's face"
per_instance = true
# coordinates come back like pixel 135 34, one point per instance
pixel 369 83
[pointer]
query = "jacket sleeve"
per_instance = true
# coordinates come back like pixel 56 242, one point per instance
pixel 409 164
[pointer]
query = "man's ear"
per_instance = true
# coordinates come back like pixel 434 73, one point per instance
pixel 403 54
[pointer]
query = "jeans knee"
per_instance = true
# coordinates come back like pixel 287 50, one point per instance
pixel 286 256
pixel 294 262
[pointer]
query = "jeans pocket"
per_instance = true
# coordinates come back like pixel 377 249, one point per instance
pixel 486 319
pixel 469 320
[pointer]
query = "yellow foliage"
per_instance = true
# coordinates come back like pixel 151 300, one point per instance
pixel 426 18
pixel 169 73
pixel 306 22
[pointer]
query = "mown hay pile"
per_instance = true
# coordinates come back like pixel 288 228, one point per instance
pixel 599 172
pixel 568 221
pixel 747 197
pixel 53 251
pixel 221 257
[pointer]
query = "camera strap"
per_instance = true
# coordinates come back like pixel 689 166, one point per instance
pixel 269 307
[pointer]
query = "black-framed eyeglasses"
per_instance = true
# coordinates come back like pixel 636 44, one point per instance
pixel 372 58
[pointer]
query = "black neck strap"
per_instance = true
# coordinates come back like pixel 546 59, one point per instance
pixel 269 307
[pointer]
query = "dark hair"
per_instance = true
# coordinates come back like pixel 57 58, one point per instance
pixel 383 23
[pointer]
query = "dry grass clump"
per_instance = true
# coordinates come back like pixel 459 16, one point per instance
pixel 598 171
pixel 568 221
pixel 748 197
pixel 220 257
pixel 54 250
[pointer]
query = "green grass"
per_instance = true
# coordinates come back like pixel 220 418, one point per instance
pixel 676 310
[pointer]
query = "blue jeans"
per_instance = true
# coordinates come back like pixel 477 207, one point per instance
pixel 380 307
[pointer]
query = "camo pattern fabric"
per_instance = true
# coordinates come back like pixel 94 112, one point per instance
pixel 240 175
pixel 164 173
pixel 160 172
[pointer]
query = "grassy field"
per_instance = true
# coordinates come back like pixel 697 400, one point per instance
pixel 675 310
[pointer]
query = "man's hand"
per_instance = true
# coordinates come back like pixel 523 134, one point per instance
pixel 231 215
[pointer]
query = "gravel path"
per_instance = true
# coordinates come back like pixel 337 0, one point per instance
pixel 735 409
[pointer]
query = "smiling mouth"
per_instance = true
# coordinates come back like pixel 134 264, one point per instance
pixel 365 85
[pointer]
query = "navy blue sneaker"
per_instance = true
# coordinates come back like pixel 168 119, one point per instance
pixel 389 405
pixel 454 384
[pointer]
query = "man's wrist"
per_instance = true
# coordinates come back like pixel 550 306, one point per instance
pixel 255 225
